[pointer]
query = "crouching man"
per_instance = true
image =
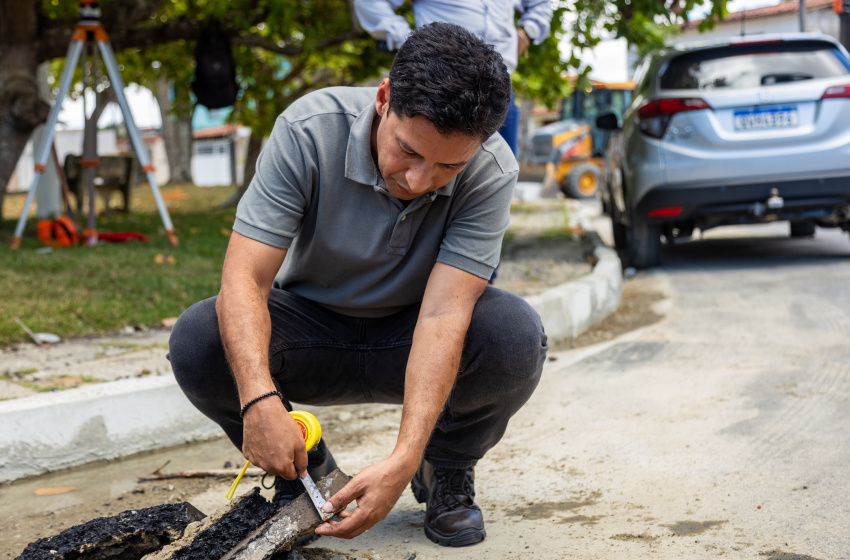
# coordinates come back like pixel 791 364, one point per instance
pixel 357 273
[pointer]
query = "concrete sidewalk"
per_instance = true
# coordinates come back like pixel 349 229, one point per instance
pixel 141 408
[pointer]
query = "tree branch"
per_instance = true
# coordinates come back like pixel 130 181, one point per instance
pixel 254 40
pixel 55 39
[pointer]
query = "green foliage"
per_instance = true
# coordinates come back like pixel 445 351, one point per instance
pixel 541 71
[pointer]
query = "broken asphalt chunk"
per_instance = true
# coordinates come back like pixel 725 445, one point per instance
pixel 130 534
pixel 297 518
pixel 214 536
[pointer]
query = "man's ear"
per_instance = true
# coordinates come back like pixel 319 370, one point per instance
pixel 382 99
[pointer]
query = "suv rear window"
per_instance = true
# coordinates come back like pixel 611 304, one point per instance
pixel 754 65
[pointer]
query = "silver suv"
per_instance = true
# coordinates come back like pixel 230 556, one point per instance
pixel 744 131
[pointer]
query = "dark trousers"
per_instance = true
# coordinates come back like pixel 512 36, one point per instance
pixel 320 357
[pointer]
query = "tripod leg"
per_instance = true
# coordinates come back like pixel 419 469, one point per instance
pixel 138 145
pixel 43 148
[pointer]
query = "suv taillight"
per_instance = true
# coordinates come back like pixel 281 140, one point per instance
pixel 655 115
pixel 836 92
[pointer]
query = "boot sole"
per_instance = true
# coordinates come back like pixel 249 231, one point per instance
pixel 465 537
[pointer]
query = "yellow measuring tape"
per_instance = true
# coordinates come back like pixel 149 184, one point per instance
pixel 311 431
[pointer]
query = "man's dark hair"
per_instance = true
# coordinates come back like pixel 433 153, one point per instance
pixel 459 83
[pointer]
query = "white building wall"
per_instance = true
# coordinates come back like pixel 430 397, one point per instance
pixel 211 162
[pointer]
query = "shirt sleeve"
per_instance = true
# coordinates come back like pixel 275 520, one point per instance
pixel 537 14
pixel 273 206
pixel 379 19
pixel 473 239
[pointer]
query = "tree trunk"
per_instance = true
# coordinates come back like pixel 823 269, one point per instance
pixel 176 134
pixel 255 144
pixel 21 108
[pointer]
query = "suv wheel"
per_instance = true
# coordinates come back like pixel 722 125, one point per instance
pixel 804 228
pixel 644 244
pixel 618 228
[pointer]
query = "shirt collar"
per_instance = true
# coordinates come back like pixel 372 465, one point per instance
pixel 359 165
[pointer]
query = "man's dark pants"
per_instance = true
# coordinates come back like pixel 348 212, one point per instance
pixel 320 357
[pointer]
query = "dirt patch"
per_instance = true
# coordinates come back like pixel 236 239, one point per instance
pixel 691 528
pixel 635 311
pixel 543 248
pixel 550 510
pixel 532 265
pixel 643 537
pixel 779 555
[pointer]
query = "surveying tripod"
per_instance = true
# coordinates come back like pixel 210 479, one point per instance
pixel 89 32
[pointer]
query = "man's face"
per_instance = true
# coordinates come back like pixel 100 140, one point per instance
pixel 412 156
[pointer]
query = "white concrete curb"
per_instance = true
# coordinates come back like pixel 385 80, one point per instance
pixel 571 308
pixel 52 431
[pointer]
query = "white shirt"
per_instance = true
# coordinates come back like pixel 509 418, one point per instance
pixel 491 20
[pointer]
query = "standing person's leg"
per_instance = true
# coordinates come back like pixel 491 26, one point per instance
pixel 510 128
pixel 510 132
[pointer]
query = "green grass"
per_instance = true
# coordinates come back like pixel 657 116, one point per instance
pixel 94 290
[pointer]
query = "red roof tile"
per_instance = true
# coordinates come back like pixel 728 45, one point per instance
pixel 216 131
pixel 766 11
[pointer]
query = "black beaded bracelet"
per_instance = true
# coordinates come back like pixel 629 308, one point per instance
pixel 255 399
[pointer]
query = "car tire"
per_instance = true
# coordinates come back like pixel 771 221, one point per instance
pixel 804 228
pixel 621 235
pixel 582 181
pixel 644 244
pixel 619 229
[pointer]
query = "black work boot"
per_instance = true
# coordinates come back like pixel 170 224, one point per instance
pixel 451 516
pixel 320 463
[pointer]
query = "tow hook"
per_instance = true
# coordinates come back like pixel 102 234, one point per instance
pixel 775 202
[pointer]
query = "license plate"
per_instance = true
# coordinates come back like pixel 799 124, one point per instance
pixel 758 119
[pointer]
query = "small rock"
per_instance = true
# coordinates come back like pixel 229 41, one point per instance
pixel 406 540
pixel 629 273
pixel 128 330
pixel 294 554
pixel 411 555
pixel 228 465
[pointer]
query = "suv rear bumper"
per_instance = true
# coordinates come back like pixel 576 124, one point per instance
pixel 711 206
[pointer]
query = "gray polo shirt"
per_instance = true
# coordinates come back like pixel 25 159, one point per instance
pixel 352 246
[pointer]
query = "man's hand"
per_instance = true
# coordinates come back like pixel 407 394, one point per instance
pixel 376 489
pixel 272 440
pixel 523 41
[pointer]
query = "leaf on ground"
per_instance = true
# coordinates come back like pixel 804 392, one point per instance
pixel 55 491
pixel 168 322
